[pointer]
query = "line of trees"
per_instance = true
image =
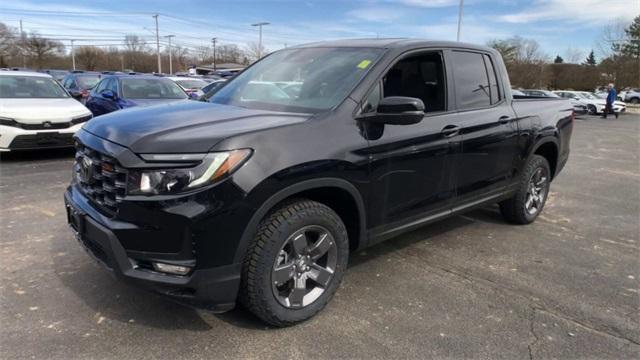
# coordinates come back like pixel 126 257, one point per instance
pixel 529 67
pixel 38 52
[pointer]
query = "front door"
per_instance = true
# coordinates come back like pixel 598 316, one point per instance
pixel 411 165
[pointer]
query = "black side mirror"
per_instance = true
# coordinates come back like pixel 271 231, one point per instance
pixel 109 94
pixel 397 110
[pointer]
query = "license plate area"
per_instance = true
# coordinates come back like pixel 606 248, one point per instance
pixel 76 220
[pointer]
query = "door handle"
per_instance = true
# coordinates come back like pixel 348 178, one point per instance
pixel 504 119
pixel 450 130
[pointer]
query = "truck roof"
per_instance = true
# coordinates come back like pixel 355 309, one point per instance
pixel 25 73
pixel 394 43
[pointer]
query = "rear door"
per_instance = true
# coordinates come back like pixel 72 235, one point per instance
pixel 486 122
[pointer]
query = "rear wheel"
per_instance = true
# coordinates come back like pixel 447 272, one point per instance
pixel 592 109
pixel 295 263
pixel 527 203
pixel 635 100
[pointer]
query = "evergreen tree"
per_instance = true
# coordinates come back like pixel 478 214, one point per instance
pixel 591 59
pixel 558 60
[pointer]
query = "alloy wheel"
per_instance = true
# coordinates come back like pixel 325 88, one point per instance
pixel 304 266
pixel 537 191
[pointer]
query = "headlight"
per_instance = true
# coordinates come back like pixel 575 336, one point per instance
pixel 191 171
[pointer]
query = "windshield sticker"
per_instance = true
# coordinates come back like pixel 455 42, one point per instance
pixel 364 63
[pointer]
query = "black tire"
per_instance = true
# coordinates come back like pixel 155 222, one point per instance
pixel 592 110
pixel 635 100
pixel 258 292
pixel 520 208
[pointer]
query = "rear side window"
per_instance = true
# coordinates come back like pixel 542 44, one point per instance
pixel 495 93
pixel 471 80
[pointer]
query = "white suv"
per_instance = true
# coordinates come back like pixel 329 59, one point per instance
pixel 594 104
pixel 37 112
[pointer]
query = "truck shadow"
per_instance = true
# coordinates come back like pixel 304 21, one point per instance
pixel 433 233
pixel 116 301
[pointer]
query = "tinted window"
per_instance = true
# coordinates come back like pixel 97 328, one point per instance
pixel 418 76
pixel 87 81
pixel 112 85
pixel 373 99
pixel 493 80
pixel 101 85
pixel 30 87
pixel 471 80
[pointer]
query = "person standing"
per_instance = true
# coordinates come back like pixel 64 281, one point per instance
pixel 611 97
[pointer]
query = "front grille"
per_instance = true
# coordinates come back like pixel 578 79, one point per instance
pixel 41 140
pixel 46 125
pixel 100 178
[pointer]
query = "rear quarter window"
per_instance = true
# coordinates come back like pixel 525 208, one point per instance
pixel 471 80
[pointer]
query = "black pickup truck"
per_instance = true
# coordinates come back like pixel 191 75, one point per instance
pixel 316 151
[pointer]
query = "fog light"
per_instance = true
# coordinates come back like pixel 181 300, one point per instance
pixel 171 269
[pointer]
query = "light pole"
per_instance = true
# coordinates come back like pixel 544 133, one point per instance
pixel 73 56
pixel 158 44
pixel 170 59
pixel 460 19
pixel 260 25
pixel 213 42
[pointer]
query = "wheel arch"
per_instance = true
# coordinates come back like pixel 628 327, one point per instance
pixel 329 191
pixel 550 150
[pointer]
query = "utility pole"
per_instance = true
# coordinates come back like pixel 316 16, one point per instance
pixel 460 19
pixel 170 59
pixel 24 59
pixel 158 45
pixel 73 55
pixel 260 25
pixel 213 42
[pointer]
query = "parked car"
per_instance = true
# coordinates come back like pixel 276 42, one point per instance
pixel 594 104
pixel 213 86
pixel 115 92
pixel 193 87
pixel 578 107
pixel 36 112
pixel 261 197
pixel 79 84
pixel 632 96
pixel 56 74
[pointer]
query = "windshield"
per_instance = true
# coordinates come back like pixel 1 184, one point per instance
pixel 299 80
pixel 192 84
pixel 151 89
pixel 30 87
pixel 87 81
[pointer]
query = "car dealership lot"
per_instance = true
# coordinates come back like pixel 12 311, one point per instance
pixel 471 286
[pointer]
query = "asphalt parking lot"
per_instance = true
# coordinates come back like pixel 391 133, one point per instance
pixel 472 286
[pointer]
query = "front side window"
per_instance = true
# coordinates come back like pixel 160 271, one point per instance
pixel 299 80
pixel 30 87
pixel 471 80
pixel 151 89
pixel 418 76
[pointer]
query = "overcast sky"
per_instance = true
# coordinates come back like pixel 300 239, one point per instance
pixel 558 25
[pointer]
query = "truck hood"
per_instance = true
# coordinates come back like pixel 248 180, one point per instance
pixel 37 111
pixel 184 127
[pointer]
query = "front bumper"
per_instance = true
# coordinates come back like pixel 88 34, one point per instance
pixel 12 138
pixel 213 288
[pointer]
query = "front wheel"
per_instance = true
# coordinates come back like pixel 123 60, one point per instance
pixel 528 202
pixel 592 110
pixel 295 263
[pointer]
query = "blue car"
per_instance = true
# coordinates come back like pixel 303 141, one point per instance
pixel 115 92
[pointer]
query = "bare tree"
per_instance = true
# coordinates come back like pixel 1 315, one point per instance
pixel 89 56
pixel 134 44
pixel 573 55
pixel 204 54
pixel 8 46
pixel 39 48
pixel 228 53
pixel 254 51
